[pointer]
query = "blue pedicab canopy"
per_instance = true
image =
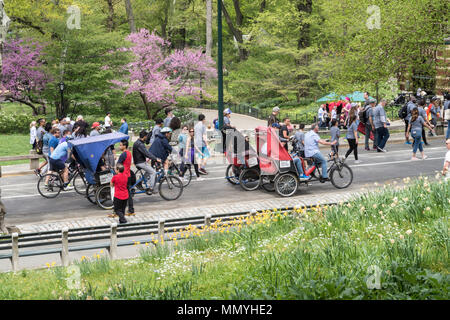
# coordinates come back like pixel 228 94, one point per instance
pixel 89 150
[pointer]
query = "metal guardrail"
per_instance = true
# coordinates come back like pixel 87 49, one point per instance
pixel 62 238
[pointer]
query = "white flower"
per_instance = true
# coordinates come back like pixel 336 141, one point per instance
pixel 401 237
pixel 392 241
pixel 380 235
pixel 408 232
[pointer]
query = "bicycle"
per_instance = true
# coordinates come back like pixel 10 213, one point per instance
pixel 175 170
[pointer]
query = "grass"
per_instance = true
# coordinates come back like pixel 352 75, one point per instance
pixel 12 145
pixel 327 253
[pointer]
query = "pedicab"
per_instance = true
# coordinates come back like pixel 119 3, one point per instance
pixel 88 152
pixel 243 166
pixel 278 170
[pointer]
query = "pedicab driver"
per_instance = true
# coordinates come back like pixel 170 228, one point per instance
pixel 57 163
pixel 312 140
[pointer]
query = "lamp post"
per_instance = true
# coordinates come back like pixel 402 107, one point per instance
pixel 61 90
pixel 220 63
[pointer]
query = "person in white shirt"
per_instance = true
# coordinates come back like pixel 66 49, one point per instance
pixel 108 122
pixel 33 134
pixel 446 169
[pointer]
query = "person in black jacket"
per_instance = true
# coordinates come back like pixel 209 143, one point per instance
pixel 140 155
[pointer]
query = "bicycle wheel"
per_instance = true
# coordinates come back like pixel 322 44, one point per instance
pixel 103 197
pixel 232 174
pixel 286 184
pixel 186 179
pixel 341 176
pixel 250 179
pixel 79 183
pixel 90 193
pixel 53 187
pixel 267 184
pixel 170 188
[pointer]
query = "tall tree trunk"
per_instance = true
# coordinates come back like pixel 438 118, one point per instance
pixel 147 107
pixel 237 33
pixel 262 6
pixel 304 41
pixel 110 19
pixel 165 20
pixel 130 16
pixel 209 40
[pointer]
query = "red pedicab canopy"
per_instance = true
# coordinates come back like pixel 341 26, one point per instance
pixel 271 152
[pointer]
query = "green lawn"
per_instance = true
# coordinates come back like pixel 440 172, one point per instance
pixel 14 144
pixel 393 244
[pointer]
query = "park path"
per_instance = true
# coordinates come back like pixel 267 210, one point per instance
pixel 240 121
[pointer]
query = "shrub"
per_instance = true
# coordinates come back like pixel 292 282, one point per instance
pixel 15 123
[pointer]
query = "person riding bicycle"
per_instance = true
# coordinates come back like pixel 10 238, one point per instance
pixel 140 155
pixel 160 147
pixel 57 163
pixel 312 140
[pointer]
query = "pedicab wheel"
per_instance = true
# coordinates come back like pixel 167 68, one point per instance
pixel 232 174
pixel 103 197
pixel 90 193
pixel 170 188
pixel 53 187
pixel 250 179
pixel 79 183
pixel 341 177
pixel 286 184
pixel 267 184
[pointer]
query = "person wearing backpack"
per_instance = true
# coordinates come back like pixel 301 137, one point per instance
pixel 366 118
pixel 409 107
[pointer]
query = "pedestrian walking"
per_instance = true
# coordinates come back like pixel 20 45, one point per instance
pixel 33 134
pixel 120 184
pixel 189 156
pixel 446 168
pixel 43 168
pixel 409 107
pixel 434 111
pixel 108 122
pixel 156 130
pixel 415 126
pixel 320 115
pixel 421 107
pixel 335 134
pixel 201 143
pixel 169 116
pixel 125 159
pixel 352 138
pixel 381 123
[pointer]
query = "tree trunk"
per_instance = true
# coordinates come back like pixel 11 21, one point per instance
pixel 110 19
pixel 304 41
pixel 147 107
pixel 262 6
pixel 165 21
pixel 209 40
pixel 237 33
pixel 130 16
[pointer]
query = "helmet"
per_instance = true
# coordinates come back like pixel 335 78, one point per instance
pixel 227 111
pixel 166 129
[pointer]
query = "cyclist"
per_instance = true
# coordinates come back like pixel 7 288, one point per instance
pixel 312 140
pixel 161 148
pixel 140 155
pixel 57 163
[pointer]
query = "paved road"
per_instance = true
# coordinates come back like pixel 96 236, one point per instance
pixel 25 205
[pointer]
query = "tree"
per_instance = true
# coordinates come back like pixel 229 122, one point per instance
pixel 209 38
pixel 130 16
pixel 23 73
pixel 160 76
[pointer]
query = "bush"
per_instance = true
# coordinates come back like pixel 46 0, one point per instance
pixel 15 123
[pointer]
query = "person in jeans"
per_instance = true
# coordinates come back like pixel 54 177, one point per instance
pixel 43 168
pixel 415 126
pixel 189 154
pixel 352 138
pixel 140 155
pixel 421 108
pixel 335 134
pixel 312 140
pixel 380 123
pixel 409 107
pixel 435 110
pixel 368 114
pixel 125 159
pixel 121 195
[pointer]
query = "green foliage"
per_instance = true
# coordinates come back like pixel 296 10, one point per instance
pixel 15 122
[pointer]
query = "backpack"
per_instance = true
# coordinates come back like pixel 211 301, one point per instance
pixel 39 146
pixel 403 112
pixel 362 116
pixel 149 135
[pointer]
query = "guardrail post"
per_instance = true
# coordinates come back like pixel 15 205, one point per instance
pixel 113 242
pixel 253 213
pixel 34 162
pixel 65 247
pixel 15 251
pixel 161 223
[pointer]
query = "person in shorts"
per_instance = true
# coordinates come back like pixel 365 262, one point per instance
pixel 57 163
pixel 202 149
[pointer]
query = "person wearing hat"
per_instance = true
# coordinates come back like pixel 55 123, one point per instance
pixel 226 126
pixel 160 147
pixel 273 118
pixel 95 129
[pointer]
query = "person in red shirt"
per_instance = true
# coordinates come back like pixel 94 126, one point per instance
pixel 120 184
pixel 126 159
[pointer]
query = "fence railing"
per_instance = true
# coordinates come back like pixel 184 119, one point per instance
pixel 59 240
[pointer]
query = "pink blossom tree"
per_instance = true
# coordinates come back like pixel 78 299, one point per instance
pixel 23 75
pixel 159 76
